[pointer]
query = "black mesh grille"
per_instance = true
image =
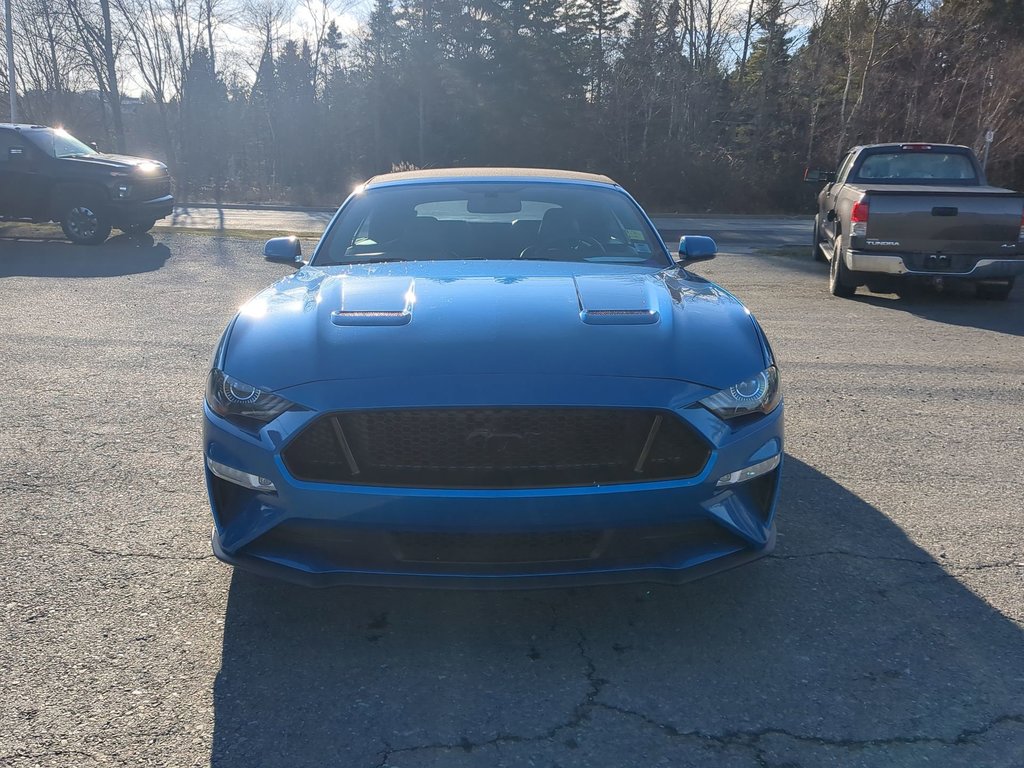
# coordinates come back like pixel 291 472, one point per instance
pixel 150 189
pixel 496 447
pixel 467 548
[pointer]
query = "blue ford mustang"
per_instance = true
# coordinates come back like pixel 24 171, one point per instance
pixel 492 377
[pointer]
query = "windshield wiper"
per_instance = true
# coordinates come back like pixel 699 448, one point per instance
pixel 359 263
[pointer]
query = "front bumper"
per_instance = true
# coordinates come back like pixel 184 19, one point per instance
pixel 128 212
pixel 323 534
pixel 925 265
pixel 580 578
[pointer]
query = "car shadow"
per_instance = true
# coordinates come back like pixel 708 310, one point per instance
pixel 120 255
pixel 848 637
pixel 955 305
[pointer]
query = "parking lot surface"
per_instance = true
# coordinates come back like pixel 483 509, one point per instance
pixel 886 630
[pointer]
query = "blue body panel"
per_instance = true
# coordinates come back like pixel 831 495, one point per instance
pixel 491 317
pixel 484 333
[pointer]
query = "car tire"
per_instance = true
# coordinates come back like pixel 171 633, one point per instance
pixel 134 230
pixel 840 283
pixel 819 255
pixel 84 221
pixel 994 291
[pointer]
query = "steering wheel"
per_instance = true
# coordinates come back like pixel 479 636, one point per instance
pixel 570 244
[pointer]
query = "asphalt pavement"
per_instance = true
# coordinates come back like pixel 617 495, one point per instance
pixel 886 629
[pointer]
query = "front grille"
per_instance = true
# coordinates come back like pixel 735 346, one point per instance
pixel 150 189
pixel 496 447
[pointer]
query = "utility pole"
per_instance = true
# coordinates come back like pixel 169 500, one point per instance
pixel 10 62
pixel 989 136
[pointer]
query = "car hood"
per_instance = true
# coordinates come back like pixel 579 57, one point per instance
pixel 115 162
pixel 476 317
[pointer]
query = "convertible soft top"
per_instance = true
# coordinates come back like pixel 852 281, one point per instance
pixel 488 173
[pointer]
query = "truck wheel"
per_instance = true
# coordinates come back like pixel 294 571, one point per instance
pixel 818 254
pixel 83 222
pixel 994 291
pixel 138 229
pixel 839 281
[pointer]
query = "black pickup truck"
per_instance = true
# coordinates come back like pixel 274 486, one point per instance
pixel 898 212
pixel 46 174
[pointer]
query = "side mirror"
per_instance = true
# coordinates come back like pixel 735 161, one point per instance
pixel 95 146
pixel 819 177
pixel 693 248
pixel 283 250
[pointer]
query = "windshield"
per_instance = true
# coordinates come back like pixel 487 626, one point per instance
pixel 492 220
pixel 59 143
pixel 916 166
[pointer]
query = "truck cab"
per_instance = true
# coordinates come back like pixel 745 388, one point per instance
pixel 46 174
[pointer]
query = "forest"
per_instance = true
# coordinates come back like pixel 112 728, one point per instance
pixel 693 105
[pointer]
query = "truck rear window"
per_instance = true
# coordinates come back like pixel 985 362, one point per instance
pixel 910 167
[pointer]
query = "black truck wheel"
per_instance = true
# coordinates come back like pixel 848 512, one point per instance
pixel 840 282
pixel 83 221
pixel 994 291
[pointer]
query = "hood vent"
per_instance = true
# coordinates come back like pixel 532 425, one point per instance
pixel 380 300
pixel 619 316
pixel 615 300
pixel 362 317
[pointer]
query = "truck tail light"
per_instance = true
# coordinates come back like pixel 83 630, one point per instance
pixel 859 218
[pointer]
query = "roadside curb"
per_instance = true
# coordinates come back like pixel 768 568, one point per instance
pixel 252 207
pixel 745 216
pixel 323 209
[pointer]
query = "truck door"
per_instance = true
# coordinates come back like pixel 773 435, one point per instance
pixel 21 181
pixel 830 196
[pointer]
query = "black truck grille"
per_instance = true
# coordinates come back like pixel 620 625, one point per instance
pixel 496 447
pixel 151 189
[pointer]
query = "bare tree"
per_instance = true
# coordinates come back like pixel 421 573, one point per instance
pixel 150 44
pixel 97 36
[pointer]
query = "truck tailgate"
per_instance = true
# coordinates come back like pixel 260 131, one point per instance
pixel 968 221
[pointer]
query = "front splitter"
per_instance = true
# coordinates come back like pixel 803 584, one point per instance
pixel 640 575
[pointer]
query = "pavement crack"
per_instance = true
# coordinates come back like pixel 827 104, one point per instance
pixel 743 739
pixel 580 714
pixel 750 739
pixel 62 753
pixel 856 555
pixel 143 555
pixel 895 559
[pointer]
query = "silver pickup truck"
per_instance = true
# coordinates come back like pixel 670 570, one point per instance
pixel 917 211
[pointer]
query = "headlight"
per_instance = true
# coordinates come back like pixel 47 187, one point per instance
pixel 231 398
pixel 759 394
